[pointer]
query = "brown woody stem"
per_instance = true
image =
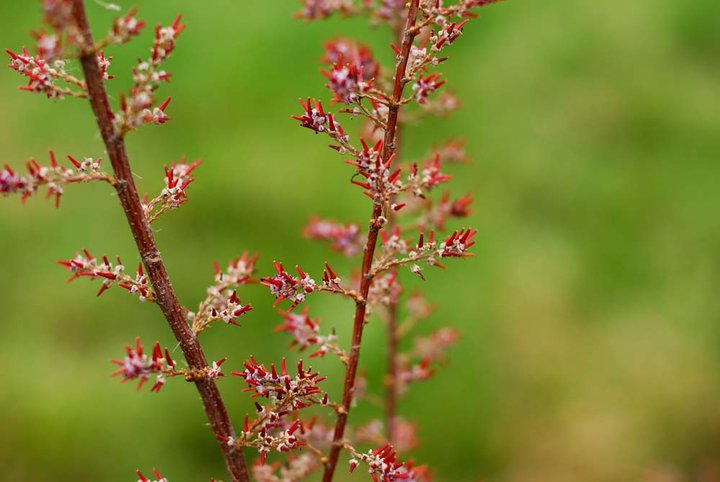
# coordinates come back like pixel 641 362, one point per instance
pixel 370 246
pixel 166 298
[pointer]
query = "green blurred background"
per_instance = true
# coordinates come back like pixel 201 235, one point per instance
pixel 589 317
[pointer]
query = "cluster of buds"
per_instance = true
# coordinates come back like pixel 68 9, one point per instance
pixel 58 13
pixel 274 429
pixel 239 270
pixel 318 433
pixel 421 181
pixel 137 365
pixel 177 178
pixel 284 286
pixel 125 28
pixel 436 214
pixel 214 371
pixel 393 243
pixel 284 439
pixel 343 238
pixel 346 51
pixel 222 302
pixel 165 38
pixel 316 119
pixel 425 85
pixel 140 108
pixel 59 19
pixel 320 9
pixel 297 392
pixel 456 245
pixel 385 290
pixel 384 466
pixel 43 76
pixel 352 70
pixel 418 307
pixel 347 81
pixel 372 433
pixel 229 310
pixel 380 181
pixel 448 33
pixel 296 468
pixel 306 333
pixel 434 346
pixel 435 10
pixel 142 478
pixel 453 151
pixel 84 265
pixel 53 176
pixel 104 64
pixel 415 372
pixel 389 10
pixel 331 281
pixel 48 45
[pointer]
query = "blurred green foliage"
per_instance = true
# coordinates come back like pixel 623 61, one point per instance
pixel 590 316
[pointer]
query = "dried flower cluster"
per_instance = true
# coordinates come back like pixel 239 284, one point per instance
pixel 277 426
pixel 137 365
pixel 177 178
pixel 53 177
pixel 405 233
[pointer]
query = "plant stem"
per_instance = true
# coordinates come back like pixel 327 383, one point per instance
pixel 370 246
pixel 166 298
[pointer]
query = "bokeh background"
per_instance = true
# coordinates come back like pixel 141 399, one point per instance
pixel 590 346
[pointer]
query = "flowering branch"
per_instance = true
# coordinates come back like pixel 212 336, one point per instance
pixel 87 266
pixel 54 177
pixel 370 245
pixel 423 28
pixel 112 135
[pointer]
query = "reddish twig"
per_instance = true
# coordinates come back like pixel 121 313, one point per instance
pixel 166 298
pixel 369 251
